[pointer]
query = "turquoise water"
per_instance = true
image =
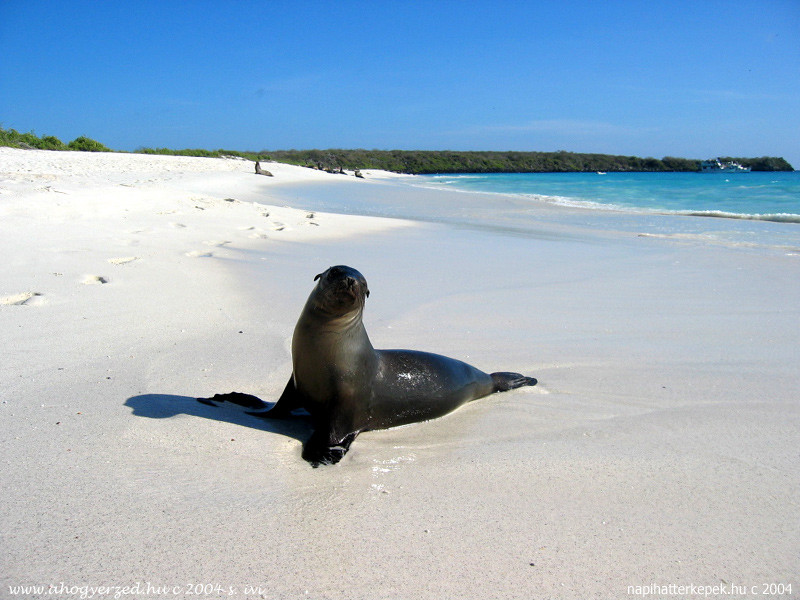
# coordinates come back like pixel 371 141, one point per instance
pixel 757 196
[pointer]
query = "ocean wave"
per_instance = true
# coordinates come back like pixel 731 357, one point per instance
pixel 720 214
pixel 776 218
pixel 571 202
pixel 576 203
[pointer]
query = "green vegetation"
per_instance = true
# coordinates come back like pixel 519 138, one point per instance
pixel 428 162
pixel 186 152
pixel 417 161
pixel 204 153
pixel 84 144
pixel 15 139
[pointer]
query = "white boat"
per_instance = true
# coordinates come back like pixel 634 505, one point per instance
pixel 717 166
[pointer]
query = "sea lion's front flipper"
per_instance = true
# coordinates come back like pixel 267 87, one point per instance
pixel 236 398
pixel 256 407
pixel 319 450
pixel 283 408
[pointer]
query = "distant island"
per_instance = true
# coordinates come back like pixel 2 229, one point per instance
pixel 421 162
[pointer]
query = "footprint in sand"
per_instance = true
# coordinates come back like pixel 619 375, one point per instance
pixel 255 234
pixel 216 243
pixel 94 280
pixel 123 261
pixel 198 254
pixel 178 225
pixel 49 188
pixel 23 299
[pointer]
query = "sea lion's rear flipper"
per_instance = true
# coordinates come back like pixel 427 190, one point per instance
pixel 319 450
pixel 510 381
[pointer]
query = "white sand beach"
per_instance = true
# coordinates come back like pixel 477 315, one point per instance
pixel 660 448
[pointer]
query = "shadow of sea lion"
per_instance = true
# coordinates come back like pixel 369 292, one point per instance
pixel 165 406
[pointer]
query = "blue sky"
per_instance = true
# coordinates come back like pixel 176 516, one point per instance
pixel 693 79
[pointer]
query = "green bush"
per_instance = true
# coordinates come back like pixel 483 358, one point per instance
pixel 15 139
pixel 51 142
pixel 85 144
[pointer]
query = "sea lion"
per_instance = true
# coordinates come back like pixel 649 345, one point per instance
pixel 348 386
pixel 260 171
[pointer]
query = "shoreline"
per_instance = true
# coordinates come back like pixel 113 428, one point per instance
pixel 518 214
pixel 660 444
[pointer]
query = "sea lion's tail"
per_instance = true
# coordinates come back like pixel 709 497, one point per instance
pixel 510 381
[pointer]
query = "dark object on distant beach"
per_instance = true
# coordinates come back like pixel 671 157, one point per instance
pixel 358 174
pixel 348 387
pixel 260 171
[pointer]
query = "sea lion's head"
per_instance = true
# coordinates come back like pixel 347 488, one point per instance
pixel 340 290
